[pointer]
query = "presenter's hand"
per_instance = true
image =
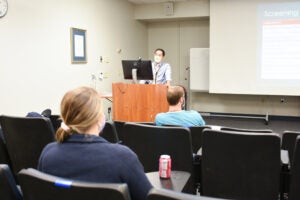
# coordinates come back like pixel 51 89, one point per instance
pixel 168 84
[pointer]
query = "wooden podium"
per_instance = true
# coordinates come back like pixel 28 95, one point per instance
pixel 138 102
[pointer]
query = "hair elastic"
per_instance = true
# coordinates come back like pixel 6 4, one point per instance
pixel 64 126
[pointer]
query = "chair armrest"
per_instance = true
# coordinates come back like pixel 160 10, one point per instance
pixel 284 157
pixel 199 152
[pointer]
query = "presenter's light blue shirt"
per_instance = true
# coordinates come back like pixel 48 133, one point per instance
pixel 163 74
pixel 181 118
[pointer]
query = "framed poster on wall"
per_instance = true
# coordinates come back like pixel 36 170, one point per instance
pixel 78 46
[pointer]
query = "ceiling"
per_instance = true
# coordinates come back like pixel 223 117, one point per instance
pixel 153 1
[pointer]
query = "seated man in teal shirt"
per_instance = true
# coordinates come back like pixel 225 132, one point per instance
pixel 177 116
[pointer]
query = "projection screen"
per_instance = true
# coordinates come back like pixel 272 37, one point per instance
pixel 254 47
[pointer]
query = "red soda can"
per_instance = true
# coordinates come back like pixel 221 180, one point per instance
pixel 165 166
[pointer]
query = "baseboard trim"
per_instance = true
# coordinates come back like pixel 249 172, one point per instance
pixel 267 118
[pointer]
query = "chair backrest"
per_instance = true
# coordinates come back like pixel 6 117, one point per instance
pixel 246 130
pixel 8 186
pixel 25 139
pixel 294 193
pixel 162 194
pixel 56 121
pixel 149 142
pixel 239 165
pixel 196 135
pixel 37 185
pixel 146 123
pixel 109 132
pixel 119 125
pixel 288 142
pixel 4 158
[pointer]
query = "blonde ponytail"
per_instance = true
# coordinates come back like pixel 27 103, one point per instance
pixel 80 109
pixel 62 135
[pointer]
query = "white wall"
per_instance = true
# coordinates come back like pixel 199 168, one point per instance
pixel 182 10
pixel 35 63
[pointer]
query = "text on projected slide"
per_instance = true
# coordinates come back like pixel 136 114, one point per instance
pixel 280 41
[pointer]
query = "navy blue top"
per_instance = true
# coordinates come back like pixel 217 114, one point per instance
pixel 91 158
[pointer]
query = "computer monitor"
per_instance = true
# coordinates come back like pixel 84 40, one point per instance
pixel 137 69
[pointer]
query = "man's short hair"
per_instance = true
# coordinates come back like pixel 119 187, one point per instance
pixel 174 94
pixel 159 49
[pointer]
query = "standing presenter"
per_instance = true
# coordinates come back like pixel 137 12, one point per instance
pixel 161 70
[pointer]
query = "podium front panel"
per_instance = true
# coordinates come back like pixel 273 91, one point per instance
pixel 138 102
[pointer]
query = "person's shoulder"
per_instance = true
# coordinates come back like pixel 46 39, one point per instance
pixel 51 146
pixel 159 119
pixel 120 150
pixel 192 111
pixel 161 114
pixel 119 147
pixel 196 116
pixel 124 155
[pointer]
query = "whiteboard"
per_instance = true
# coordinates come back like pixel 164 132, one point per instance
pixel 199 69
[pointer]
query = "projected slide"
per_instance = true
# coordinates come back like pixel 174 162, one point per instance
pixel 280 41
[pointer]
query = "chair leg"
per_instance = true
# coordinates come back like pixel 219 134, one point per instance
pixel 197 172
pixel 284 182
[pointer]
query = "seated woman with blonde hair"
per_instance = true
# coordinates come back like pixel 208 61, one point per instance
pixel 81 154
